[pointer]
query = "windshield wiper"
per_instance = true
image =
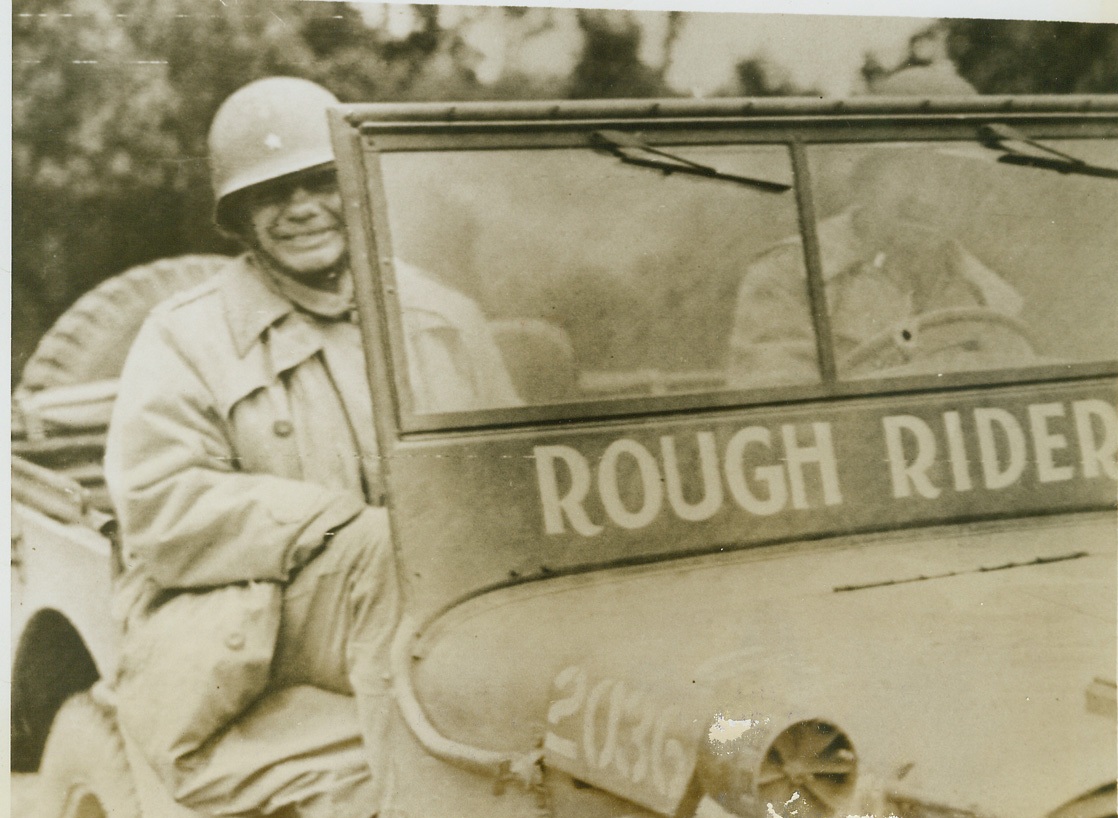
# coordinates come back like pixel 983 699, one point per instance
pixel 1005 138
pixel 633 151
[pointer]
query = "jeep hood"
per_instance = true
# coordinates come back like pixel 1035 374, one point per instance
pixel 963 663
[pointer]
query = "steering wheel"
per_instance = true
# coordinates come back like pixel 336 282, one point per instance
pixel 946 340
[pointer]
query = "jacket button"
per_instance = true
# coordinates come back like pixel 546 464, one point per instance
pixel 283 428
pixel 235 641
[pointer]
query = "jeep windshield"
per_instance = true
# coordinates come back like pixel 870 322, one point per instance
pixel 623 270
pixel 792 416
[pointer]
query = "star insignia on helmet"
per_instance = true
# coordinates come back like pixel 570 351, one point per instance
pixel 273 142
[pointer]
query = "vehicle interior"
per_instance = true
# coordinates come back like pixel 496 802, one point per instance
pixel 624 269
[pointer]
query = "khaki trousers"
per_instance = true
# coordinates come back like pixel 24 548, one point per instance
pixel 314 744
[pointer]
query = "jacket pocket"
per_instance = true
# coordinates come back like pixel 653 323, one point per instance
pixel 192 665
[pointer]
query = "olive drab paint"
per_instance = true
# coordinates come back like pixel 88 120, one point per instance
pixel 764 470
pixel 590 495
pixel 1059 441
pixel 621 737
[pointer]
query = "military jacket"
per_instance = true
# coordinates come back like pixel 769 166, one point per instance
pixel 867 290
pixel 243 430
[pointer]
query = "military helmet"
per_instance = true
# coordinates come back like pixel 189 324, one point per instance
pixel 267 129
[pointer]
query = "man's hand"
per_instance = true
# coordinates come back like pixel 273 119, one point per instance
pixel 300 555
pixel 368 523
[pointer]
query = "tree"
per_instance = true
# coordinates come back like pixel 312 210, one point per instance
pixel 761 77
pixel 610 65
pixel 112 100
pixel 1035 57
pixel 111 103
pixel 925 71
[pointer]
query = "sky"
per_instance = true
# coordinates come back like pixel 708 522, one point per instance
pixel 820 51
pixel 817 52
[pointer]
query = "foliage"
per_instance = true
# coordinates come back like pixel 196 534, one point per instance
pixel 610 65
pixel 112 99
pixel 1031 57
pixel 761 77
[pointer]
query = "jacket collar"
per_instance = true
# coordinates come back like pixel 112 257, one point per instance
pixel 251 304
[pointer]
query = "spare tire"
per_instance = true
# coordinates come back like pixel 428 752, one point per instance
pixel 91 339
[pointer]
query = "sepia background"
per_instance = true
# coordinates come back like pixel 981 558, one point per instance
pixel 112 98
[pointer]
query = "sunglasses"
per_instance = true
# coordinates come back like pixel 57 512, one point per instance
pixel 277 191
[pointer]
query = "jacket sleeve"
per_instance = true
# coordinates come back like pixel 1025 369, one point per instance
pixel 454 363
pixel 772 341
pixel 453 370
pixel 186 512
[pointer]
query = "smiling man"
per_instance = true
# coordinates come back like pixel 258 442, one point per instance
pixel 244 469
pixel 297 227
pixel 241 455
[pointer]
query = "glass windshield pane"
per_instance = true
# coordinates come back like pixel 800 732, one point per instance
pixel 939 258
pixel 545 276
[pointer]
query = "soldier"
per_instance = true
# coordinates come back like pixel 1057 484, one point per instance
pixel 244 468
pixel 888 258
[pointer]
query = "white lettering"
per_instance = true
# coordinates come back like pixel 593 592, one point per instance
pixel 634 481
pixel 570 677
pixel 610 490
pixel 669 761
pixel 906 475
pixel 642 715
pixel 570 504
pixel 708 468
pixel 659 740
pixel 771 476
pixel 823 453
pixel 1097 455
pixel 1045 442
pixel 605 732
pixel 589 722
pixel 995 476
pixel 612 752
pixel 957 451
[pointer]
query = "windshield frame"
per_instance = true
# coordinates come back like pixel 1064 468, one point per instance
pixel 364 137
